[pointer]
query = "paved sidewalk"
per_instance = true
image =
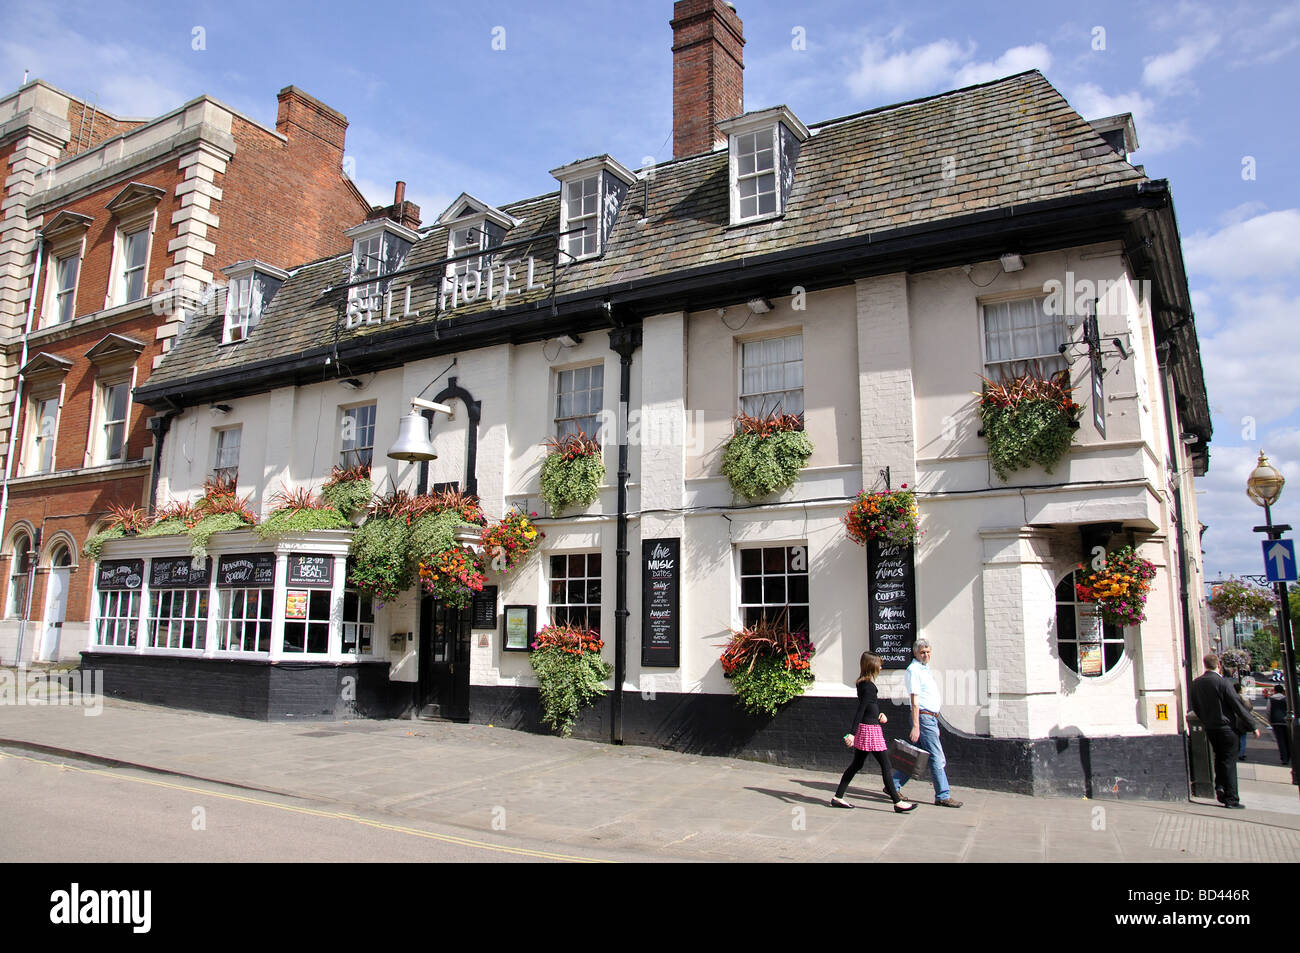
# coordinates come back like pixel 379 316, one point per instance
pixel 668 805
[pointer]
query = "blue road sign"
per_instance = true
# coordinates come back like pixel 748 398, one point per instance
pixel 1279 560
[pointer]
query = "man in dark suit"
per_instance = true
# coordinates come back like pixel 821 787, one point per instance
pixel 1220 709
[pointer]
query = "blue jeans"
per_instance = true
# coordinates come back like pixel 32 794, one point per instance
pixel 930 742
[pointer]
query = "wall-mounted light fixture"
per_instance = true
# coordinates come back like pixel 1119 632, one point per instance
pixel 759 305
pixel 569 340
pixel 351 383
pixel 219 410
pixel 1012 262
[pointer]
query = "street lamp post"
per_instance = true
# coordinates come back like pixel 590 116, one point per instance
pixel 1264 487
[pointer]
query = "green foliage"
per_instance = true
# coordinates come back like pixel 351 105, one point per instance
pixel 570 673
pixel 758 466
pixel 379 550
pixel 289 520
pixel 767 684
pixel 1037 431
pixel 95 544
pixel 169 526
pixel 571 481
pixel 201 532
pixel 1264 647
pixel 349 497
pixel 1234 598
pixel 433 533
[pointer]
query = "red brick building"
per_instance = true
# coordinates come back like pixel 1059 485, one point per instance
pixel 114 229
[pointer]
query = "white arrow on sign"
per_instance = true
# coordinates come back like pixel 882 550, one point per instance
pixel 1280 555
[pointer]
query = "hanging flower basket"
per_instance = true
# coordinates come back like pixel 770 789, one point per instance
pixel 765 454
pixel 1028 420
pixel 453 575
pixel 349 489
pixel 511 540
pixel 890 516
pixel 1234 598
pixel 570 673
pixel 767 666
pixel 572 471
pixel 1120 588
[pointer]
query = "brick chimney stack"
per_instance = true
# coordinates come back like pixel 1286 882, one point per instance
pixel 708 73
pixel 401 211
pixel 304 118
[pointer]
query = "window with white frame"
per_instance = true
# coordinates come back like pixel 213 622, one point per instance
pixel 252 286
pixel 1020 337
pixel 375 254
pixel 20 565
pixel 755 179
pixel 358 429
pixel 114 403
pixel 467 238
pixel 575 590
pixel 579 399
pixel 66 269
pixel 119 617
pixel 771 376
pixel 309 634
pixel 178 618
pixel 358 622
pixel 44 432
pixel 244 620
pixel 774 586
pixel 226 468
pixel 1087 644
pixel 239 305
pixel 132 259
pixel 581 217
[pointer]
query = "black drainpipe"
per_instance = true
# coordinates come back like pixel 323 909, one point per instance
pixel 624 342
pixel 158 425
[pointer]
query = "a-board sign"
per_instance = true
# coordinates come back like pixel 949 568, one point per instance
pixel 661 574
pixel 891 592
pixel 246 571
pixel 178 572
pixel 119 574
pixel 307 569
pixel 483 610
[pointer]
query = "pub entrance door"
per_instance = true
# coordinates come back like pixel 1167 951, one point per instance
pixel 444 660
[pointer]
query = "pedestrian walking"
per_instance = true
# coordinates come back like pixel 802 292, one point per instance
pixel 1219 708
pixel 1244 726
pixel 1277 721
pixel 866 736
pixel 924 693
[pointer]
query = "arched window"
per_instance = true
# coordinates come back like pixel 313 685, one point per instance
pixel 60 557
pixel 19 567
pixel 1089 646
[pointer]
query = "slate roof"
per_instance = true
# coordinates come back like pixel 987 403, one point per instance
pixel 999 145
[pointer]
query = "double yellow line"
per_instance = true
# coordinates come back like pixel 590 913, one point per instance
pixel 334 815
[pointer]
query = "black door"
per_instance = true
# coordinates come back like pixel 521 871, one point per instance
pixel 444 660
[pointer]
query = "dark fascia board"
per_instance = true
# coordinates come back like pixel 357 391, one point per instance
pixel 1043 226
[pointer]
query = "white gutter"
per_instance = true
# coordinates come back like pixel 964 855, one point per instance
pixel 13 433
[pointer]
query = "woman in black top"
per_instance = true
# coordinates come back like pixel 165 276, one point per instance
pixel 867 736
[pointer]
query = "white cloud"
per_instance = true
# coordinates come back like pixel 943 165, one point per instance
pixel 918 70
pixel 1239 213
pixel 1256 333
pixel 1015 60
pixel 1167 71
pixel 1266 246
pixel 1093 102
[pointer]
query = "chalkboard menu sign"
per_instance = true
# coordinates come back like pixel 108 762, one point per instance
pixel 660 602
pixel 891 614
pixel 178 572
pixel 120 574
pixel 311 570
pixel 246 571
pixel 483 612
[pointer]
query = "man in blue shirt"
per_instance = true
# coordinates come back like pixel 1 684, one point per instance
pixel 924 693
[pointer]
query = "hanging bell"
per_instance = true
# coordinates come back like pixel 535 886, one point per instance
pixel 412 440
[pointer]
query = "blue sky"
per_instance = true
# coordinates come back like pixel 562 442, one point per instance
pixel 1212 88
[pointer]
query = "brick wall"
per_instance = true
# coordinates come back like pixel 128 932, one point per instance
pixel 708 73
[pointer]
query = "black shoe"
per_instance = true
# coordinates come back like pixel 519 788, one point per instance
pixel 1235 806
pixel 840 802
pixel 902 807
pixel 1218 796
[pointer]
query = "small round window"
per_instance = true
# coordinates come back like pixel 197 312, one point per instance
pixel 1088 645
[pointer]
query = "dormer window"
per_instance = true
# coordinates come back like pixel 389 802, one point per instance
pixel 252 286
pixel 763 148
pixel 591 193
pixel 379 248
pixel 472 225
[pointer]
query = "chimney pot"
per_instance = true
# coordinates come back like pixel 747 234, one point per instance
pixel 399 193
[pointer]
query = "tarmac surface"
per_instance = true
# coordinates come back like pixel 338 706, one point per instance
pixel 654 804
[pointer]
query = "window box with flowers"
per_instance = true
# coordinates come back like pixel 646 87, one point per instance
pixel 572 471
pixel 1028 420
pixel 1119 588
pixel 570 673
pixel 767 665
pixel 765 454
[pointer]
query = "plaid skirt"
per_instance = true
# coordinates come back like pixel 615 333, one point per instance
pixel 870 738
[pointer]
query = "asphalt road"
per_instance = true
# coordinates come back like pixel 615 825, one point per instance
pixel 66 812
